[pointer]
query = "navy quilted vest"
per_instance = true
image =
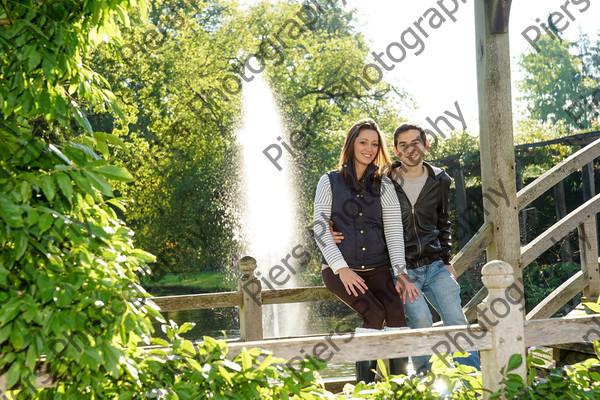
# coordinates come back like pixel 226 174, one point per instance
pixel 357 214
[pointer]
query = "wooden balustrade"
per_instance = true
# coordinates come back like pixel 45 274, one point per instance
pixel 500 333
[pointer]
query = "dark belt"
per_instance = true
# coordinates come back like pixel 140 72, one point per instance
pixel 364 267
pixel 421 262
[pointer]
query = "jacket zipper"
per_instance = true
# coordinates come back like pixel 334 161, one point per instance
pixel 416 232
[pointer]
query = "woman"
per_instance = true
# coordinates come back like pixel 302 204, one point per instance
pixel 363 206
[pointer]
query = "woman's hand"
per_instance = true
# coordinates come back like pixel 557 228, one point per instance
pixel 352 281
pixel 406 289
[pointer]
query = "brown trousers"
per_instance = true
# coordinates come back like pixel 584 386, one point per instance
pixel 381 303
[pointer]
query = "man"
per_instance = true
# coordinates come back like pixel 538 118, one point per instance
pixel 423 192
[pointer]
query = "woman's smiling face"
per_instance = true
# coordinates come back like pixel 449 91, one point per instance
pixel 366 146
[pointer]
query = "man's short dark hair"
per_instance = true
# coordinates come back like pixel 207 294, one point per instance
pixel 408 127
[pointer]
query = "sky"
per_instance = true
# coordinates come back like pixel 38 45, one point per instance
pixel 445 71
pixel 442 76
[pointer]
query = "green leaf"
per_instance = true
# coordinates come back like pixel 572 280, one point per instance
pixel 382 368
pixel 12 376
pixel 114 172
pixel 60 154
pixel 99 183
pixel 48 187
pixel 25 191
pixel 108 137
pixel 64 298
pixel 10 212
pixel 34 60
pixel 103 147
pixel 156 341
pixel 44 100
pixel 186 327
pixel 31 357
pixel 82 182
pixel 117 202
pixel 111 359
pixel 246 361
pixel 21 242
pixel 67 319
pixel 16 338
pixel 143 255
pixel 536 361
pixel 92 358
pixel 5 332
pixel 231 365
pixel 44 222
pixel 82 119
pixel 32 217
pixel 86 149
pixel 115 107
pixel 514 361
pixel 65 185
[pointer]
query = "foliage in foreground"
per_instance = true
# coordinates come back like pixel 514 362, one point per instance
pixel 578 381
pixel 181 369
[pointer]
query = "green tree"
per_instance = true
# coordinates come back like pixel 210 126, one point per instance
pixel 553 80
pixel 67 263
pixel 180 142
pixel 181 119
pixel 69 289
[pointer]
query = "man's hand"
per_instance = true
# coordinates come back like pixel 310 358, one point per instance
pixel 406 289
pixel 352 281
pixel 337 236
pixel 452 271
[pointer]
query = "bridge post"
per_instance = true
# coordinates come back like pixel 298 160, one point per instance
pixel 588 254
pixel 496 132
pixel 588 234
pixel 251 308
pixel 500 314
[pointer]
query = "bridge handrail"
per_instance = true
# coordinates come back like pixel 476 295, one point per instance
pixel 557 173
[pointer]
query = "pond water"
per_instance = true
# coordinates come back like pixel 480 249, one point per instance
pixel 223 323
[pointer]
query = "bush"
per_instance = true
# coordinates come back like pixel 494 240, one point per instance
pixel 579 381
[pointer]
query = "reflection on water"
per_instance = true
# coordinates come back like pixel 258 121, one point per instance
pixel 224 323
pixel 219 323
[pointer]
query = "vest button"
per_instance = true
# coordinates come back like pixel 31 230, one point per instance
pixel 358 195
pixel 359 214
pixel 364 248
pixel 362 266
pixel 361 231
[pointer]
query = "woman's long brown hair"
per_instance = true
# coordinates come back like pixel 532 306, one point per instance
pixel 381 159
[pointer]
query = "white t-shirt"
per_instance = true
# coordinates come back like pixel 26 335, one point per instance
pixel 412 186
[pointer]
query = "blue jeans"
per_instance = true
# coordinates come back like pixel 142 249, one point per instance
pixel 438 286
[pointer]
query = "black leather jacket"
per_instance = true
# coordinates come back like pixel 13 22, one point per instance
pixel 426 224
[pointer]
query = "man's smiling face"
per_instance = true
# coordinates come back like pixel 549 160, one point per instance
pixel 410 147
